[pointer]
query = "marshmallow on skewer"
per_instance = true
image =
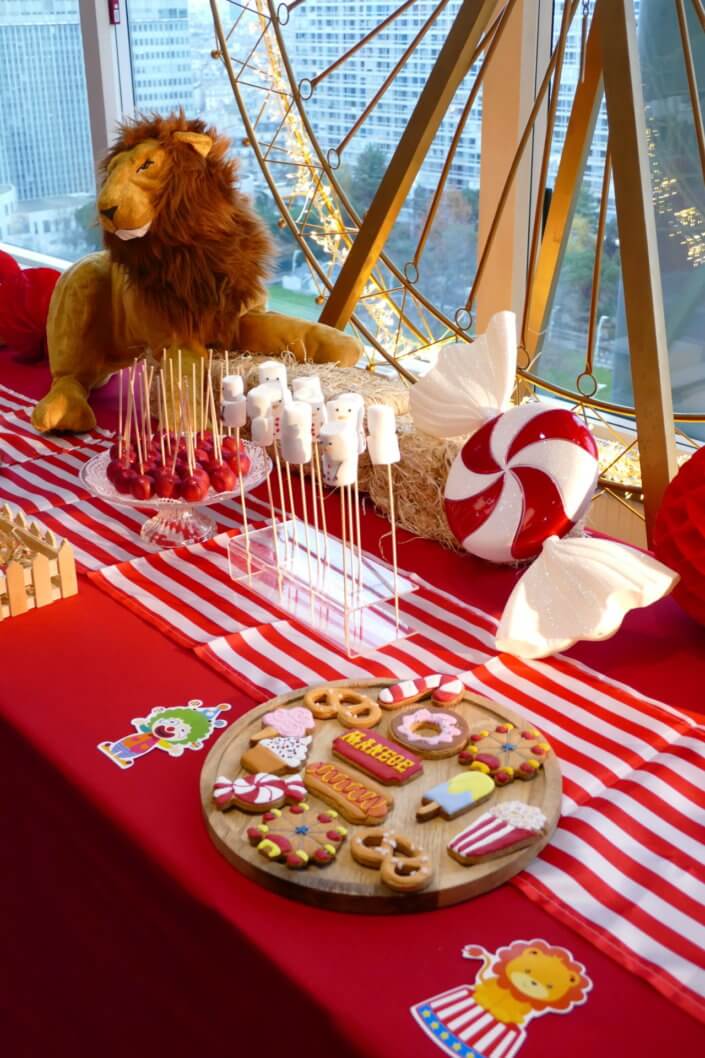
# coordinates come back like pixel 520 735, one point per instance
pixel 233 387
pixel 349 407
pixel 382 440
pixel 338 441
pixel 296 444
pixel 259 402
pixel 307 387
pixel 262 430
pixel 272 371
pixel 319 414
pixel 233 412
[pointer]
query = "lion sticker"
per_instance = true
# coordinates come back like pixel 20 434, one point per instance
pixel 520 982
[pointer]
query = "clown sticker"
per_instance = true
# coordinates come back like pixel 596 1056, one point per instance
pixel 172 730
pixel 488 1018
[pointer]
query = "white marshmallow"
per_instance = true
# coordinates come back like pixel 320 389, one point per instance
pixel 262 431
pixel 296 432
pixel 234 412
pixel 349 407
pixel 233 386
pixel 338 441
pixel 382 441
pixel 307 387
pixel 319 415
pixel 272 371
pixel 259 401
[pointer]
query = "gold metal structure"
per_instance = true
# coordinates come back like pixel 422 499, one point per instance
pixel 359 281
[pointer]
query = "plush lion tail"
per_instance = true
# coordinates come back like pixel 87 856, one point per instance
pixel 24 306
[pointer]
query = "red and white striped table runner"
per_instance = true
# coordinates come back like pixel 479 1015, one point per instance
pixel 48 481
pixel 19 441
pixel 626 866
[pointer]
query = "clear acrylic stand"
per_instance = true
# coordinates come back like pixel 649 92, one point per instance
pixel 342 596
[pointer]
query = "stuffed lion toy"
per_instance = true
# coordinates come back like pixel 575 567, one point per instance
pixel 184 267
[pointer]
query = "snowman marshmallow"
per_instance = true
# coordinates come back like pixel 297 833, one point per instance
pixel 233 387
pixel 233 412
pixel 308 388
pixel 349 407
pixel 338 441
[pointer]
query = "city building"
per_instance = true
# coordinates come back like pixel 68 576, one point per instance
pixel 160 46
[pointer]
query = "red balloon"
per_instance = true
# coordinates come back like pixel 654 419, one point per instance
pixel 679 534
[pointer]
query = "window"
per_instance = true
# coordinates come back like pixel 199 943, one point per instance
pixel 678 187
pixel 47 188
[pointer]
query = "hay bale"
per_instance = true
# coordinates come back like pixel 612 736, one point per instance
pixel 419 480
pixel 374 388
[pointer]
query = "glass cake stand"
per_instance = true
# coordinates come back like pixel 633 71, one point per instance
pixel 176 522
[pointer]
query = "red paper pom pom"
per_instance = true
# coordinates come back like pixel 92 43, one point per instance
pixel 679 534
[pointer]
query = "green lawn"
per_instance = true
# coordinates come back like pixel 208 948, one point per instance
pixel 293 303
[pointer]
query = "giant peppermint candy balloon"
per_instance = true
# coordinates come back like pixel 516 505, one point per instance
pixel 527 474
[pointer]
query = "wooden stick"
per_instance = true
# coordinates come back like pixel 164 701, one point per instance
pixel 194 401
pixel 319 475
pixel 162 380
pixel 160 421
pixel 138 439
pixel 128 413
pixel 203 398
pixel 346 614
pixel 120 420
pixel 392 518
pixel 351 536
pixel 359 534
pixel 304 506
pixel 282 498
pixel 243 504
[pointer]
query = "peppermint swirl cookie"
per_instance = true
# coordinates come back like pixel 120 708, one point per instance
pixel 432 733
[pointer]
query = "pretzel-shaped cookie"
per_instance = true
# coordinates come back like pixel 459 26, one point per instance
pixel 402 865
pixel 351 708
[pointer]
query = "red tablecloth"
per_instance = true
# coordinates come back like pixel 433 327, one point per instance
pixel 125 931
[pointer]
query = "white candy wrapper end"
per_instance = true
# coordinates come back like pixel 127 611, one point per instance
pixel 579 588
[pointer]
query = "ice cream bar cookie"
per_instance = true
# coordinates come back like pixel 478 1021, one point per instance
pixel 346 793
pixel 507 827
pixel 383 760
pixel 455 796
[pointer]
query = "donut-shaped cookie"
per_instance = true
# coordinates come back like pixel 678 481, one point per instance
pixel 432 733
pixel 351 708
pixel 402 865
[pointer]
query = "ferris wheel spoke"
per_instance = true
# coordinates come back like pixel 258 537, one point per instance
pixel 320 77
pixel 451 66
pixel 491 38
pixel 389 79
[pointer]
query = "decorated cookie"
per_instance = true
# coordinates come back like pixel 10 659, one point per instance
pixel 402 865
pixel 283 753
pixel 355 800
pixel 432 733
pixel 455 796
pixel 298 836
pixel 351 708
pixel 506 753
pixel 253 793
pixel 291 723
pixel 442 690
pixel 381 759
pixel 507 827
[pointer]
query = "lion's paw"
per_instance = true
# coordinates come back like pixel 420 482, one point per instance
pixel 63 411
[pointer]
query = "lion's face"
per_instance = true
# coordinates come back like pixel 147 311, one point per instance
pixel 127 203
pixel 545 976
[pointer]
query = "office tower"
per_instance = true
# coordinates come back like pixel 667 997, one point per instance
pixel 160 45
pixel 45 147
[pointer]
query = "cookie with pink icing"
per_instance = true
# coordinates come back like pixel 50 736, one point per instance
pixel 432 733
pixel 258 793
pixel 290 723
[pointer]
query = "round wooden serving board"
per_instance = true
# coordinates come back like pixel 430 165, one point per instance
pixel 344 885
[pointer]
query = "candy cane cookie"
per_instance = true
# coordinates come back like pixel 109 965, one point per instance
pixel 442 690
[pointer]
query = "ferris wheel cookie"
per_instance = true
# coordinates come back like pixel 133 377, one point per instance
pixel 506 752
pixel 351 708
pixel 432 733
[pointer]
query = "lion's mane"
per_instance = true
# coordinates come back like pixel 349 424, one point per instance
pixel 573 996
pixel 206 257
